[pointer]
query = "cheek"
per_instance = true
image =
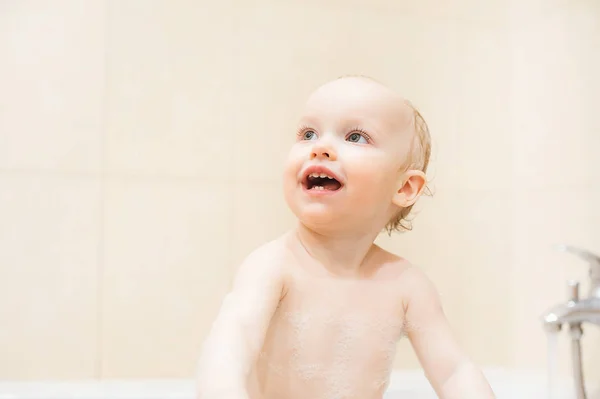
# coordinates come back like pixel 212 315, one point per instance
pixel 292 167
pixel 372 177
pixel 372 165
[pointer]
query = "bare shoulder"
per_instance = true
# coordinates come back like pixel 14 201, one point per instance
pixel 270 253
pixel 265 264
pixel 422 301
pixel 413 283
pixel 388 265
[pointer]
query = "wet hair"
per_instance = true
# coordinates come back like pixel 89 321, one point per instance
pixel 418 159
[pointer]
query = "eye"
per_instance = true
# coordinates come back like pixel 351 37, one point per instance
pixel 308 135
pixel 356 137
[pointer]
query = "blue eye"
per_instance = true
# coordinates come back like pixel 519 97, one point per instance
pixel 309 135
pixel 356 138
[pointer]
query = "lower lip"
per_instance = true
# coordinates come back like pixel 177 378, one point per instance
pixel 320 193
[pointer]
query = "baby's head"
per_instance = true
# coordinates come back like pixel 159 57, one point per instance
pixel 359 160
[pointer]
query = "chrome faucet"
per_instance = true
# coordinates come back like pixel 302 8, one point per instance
pixel 576 312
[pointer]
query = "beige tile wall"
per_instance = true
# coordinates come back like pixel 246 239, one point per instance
pixel 52 82
pixel 49 276
pixel 141 145
pixel 165 268
pixel 555 136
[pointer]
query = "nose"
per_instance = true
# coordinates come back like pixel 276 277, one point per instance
pixel 322 150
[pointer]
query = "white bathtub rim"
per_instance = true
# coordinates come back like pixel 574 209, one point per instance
pixel 507 383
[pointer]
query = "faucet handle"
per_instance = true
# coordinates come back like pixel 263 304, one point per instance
pixel 579 252
pixel 594 266
pixel 591 258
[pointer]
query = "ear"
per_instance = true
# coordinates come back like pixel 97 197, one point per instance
pixel 410 187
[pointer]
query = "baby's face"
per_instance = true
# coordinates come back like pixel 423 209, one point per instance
pixel 352 142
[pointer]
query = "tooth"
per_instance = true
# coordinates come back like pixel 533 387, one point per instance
pixel 322 175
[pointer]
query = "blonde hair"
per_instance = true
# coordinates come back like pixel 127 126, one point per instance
pixel 418 159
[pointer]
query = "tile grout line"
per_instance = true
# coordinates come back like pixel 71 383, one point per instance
pixel 136 177
pixel 102 203
pixel 233 177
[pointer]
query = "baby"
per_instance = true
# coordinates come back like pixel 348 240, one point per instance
pixel 317 313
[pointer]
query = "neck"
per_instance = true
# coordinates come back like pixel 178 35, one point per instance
pixel 342 254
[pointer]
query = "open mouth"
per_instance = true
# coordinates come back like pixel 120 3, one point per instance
pixel 322 182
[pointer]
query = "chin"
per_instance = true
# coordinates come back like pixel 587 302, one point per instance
pixel 315 216
pixel 321 225
pixel 325 219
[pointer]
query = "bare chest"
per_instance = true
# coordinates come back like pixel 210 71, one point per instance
pixel 333 334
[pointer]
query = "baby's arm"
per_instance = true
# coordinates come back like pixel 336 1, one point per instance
pixel 236 336
pixel 451 373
